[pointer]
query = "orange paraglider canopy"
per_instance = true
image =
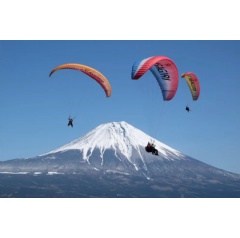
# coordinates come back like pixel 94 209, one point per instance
pixel 93 73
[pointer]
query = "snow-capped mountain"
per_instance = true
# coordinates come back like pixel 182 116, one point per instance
pixel 126 141
pixel 114 153
pixel 117 147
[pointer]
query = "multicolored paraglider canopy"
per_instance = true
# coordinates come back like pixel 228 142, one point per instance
pixel 164 70
pixel 193 84
pixel 93 73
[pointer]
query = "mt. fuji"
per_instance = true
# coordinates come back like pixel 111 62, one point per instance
pixel 123 141
pixel 111 161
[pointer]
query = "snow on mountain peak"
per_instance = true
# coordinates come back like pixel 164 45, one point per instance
pixel 117 136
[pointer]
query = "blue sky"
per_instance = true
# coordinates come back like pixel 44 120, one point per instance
pixel 35 107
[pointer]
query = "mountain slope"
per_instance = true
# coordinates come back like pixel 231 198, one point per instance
pixel 119 142
pixel 111 160
pixel 120 137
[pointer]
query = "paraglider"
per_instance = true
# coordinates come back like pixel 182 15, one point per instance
pixel 164 70
pixel 93 73
pixel 151 148
pixel 187 109
pixel 70 121
pixel 194 86
pixel 193 83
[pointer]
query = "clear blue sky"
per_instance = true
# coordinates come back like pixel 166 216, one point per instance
pixel 35 108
